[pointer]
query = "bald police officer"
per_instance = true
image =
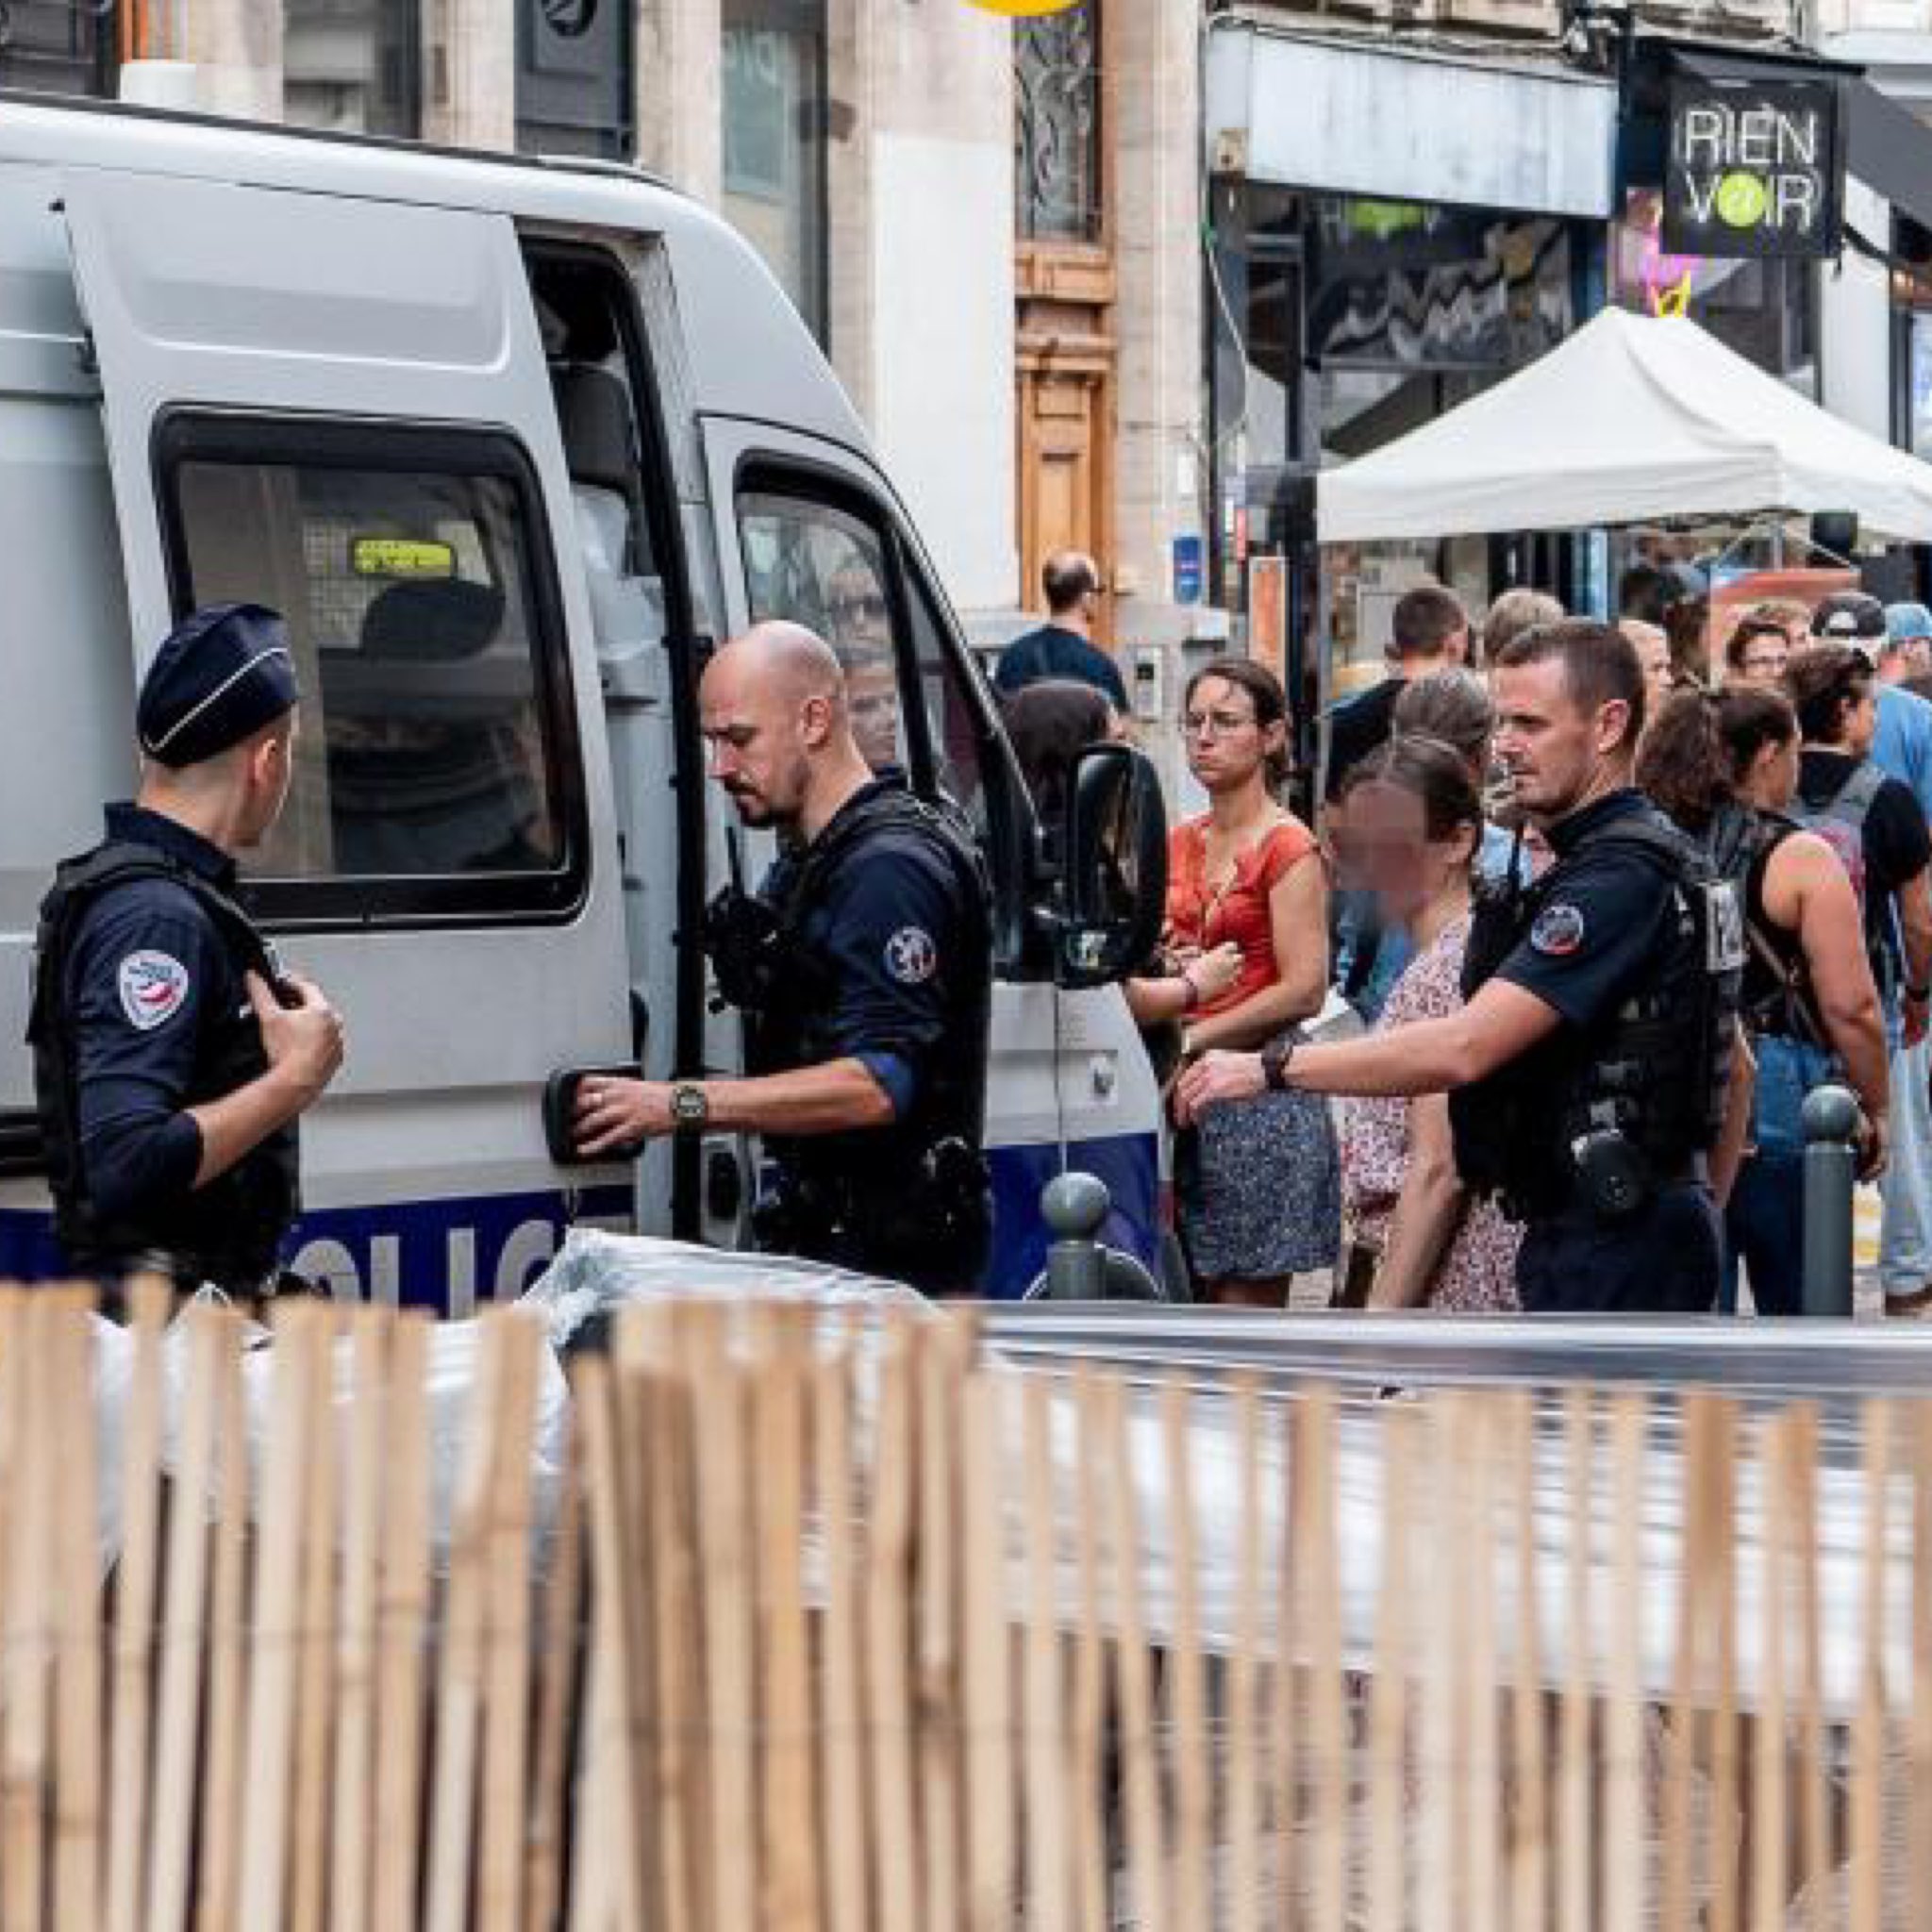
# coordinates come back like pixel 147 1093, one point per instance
pixel 864 971
pixel 1592 1061
pixel 172 1056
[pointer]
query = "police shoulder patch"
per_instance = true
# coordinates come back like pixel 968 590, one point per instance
pixel 911 958
pixel 1557 931
pixel 154 988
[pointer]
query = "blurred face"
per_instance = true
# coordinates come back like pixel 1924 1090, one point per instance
pixel 1763 658
pixel 761 736
pixel 1382 845
pixel 858 608
pixel 1226 743
pixel 1552 747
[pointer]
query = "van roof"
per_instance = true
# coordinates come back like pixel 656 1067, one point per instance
pixel 760 359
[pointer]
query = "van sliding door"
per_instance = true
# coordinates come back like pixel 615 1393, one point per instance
pixel 342 409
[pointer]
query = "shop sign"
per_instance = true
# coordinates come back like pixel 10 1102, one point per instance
pixel 1755 168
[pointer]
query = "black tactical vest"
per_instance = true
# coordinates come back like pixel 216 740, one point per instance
pixel 229 1232
pixel 1657 1072
pixel 893 1198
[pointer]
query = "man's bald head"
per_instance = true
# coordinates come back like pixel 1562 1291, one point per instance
pixel 775 714
pixel 787 655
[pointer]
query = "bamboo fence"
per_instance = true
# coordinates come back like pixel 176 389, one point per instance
pixel 845 1623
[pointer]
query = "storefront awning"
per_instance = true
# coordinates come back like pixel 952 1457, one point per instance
pixel 1889 150
pixel 1344 118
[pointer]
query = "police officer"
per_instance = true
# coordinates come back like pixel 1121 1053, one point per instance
pixel 864 971
pixel 171 1056
pixel 1589 1070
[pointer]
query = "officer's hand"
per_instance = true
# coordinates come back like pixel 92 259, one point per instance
pixel 616 1114
pixel 1217 1077
pixel 1874 1146
pixel 1214 972
pixel 304 1043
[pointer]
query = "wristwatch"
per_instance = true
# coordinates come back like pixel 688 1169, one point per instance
pixel 1275 1059
pixel 691 1107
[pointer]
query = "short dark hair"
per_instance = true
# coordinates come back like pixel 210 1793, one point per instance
pixel 1600 665
pixel 1264 692
pixel 1066 578
pixel 1424 620
pixel 1049 724
pixel 1823 682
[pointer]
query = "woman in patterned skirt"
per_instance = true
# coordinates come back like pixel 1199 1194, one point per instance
pixel 1258 1184
pixel 1414 826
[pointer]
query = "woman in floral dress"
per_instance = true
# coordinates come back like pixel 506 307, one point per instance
pixel 1414 825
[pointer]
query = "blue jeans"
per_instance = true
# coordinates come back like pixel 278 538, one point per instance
pixel 1764 1224
pixel 1905 1237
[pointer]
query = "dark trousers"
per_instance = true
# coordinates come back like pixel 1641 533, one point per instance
pixel 1765 1224
pixel 1667 1258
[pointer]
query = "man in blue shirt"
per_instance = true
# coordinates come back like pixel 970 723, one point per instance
pixel 1063 646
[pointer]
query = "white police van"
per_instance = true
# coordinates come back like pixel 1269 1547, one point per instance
pixel 511 445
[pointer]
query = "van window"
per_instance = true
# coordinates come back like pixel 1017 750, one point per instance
pixel 436 766
pixel 825 567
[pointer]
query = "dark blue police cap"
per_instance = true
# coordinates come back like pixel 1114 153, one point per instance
pixel 224 672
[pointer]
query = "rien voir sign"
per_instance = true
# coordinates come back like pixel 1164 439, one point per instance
pixel 1754 168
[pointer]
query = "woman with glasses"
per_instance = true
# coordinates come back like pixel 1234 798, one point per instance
pixel 1758 651
pixel 1414 830
pixel 1257 1186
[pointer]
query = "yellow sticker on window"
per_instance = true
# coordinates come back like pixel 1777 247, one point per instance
pixel 401 557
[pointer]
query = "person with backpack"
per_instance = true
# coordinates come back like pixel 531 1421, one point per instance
pixel 1876 824
pixel 1724 767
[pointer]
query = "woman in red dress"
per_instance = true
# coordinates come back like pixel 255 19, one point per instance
pixel 1257 1186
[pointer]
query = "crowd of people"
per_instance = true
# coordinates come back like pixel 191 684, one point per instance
pixel 1797 769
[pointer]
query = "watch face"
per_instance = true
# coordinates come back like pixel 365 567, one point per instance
pixel 688 1105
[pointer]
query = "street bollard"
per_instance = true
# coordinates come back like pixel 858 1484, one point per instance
pixel 1076 1206
pixel 1831 1169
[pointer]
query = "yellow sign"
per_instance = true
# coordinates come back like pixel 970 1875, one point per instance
pixel 1024 10
pixel 401 557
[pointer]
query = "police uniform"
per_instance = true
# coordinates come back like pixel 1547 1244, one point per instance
pixel 141 1010
pixel 1598 1137
pixel 874 943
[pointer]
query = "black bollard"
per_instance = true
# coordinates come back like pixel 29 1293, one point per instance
pixel 1831 1170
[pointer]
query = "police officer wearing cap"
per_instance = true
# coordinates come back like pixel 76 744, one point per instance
pixel 1590 1072
pixel 172 1056
pixel 864 968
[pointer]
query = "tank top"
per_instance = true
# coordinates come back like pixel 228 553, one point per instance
pixel 1207 916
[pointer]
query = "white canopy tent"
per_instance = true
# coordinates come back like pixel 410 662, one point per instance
pixel 1633 419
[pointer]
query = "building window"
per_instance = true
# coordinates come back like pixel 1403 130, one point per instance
pixel 354 66
pixel 57 46
pixel 1056 135
pixel 774 123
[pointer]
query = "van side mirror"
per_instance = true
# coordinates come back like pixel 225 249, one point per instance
pixel 1115 870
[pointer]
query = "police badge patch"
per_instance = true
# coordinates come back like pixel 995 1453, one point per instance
pixel 911 958
pixel 152 987
pixel 1557 931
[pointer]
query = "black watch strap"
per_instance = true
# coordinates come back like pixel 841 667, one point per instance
pixel 1274 1059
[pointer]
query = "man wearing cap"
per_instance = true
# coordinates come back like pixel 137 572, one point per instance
pixel 1902 749
pixel 171 1056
